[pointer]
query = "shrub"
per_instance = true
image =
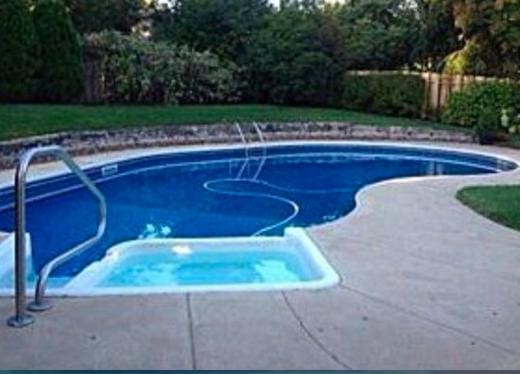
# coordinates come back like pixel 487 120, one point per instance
pixel 490 108
pixel 467 106
pixel 140 71
pixel 488 127
pixel 17 51
pixel 60 75
pixel 392 94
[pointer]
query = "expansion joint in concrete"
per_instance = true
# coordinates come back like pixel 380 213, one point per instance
pixel 193 349
pixel 311 336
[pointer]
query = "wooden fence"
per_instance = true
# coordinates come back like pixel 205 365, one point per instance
pixel 438 87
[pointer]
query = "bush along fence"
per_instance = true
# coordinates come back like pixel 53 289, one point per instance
pixel 433 92
pixel 386 93
pixel 490 106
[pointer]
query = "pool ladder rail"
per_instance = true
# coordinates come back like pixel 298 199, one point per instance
pixel 21 318
pixel 247 154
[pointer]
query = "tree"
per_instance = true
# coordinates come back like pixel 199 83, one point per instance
pixel 90 16
pixel 60 73
pixel 491 34
pixel 223 26
pixel 289 61
pixel 438 34
pixel 380 34
pixel 18 51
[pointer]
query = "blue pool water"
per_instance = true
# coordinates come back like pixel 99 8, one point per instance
pixel 198 194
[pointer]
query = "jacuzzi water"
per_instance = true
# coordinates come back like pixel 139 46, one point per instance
pixel 249 265
pixel 207 264
pixel 215 193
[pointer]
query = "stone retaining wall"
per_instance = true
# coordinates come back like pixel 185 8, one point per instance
pixel 88 142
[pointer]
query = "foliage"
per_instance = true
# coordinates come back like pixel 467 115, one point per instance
pixel 18 51
pixel 97 15
pixel 290 62
pixel 393 94
pixel 478 37
pixel 491 35
pixel 379 34
pixel 487 128
pixel 295 54
pixel 60 74
pixel 467 106
pixel 224 27
pixel 139 71
pixel 438 36
pixel 491 108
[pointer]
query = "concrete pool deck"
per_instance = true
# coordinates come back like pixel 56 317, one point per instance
pixel 426 284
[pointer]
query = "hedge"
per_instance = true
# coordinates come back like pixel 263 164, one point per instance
pixel 465 107
pixel 392 94
pixel 491 108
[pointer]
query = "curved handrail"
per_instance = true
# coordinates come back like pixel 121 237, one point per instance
pixel 264 151
pixel 20 318
pixel 246 150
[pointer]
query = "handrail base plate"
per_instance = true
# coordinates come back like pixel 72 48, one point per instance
pixel 39 307
pixel 20 321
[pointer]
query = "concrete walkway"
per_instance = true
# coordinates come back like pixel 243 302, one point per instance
pixel 426 284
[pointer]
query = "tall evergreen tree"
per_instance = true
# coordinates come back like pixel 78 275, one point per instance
pixel 17 51
pixel 60 73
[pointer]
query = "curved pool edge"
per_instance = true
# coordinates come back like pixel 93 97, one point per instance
pixel 54 169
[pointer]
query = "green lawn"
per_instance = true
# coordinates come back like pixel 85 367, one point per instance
pixel 498 203
pixel 20 120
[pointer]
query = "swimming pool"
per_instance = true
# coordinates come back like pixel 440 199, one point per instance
pixel 220 193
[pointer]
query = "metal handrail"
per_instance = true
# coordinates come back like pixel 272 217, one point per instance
pixel 246 150
pixel 264 150
pixel 21 318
